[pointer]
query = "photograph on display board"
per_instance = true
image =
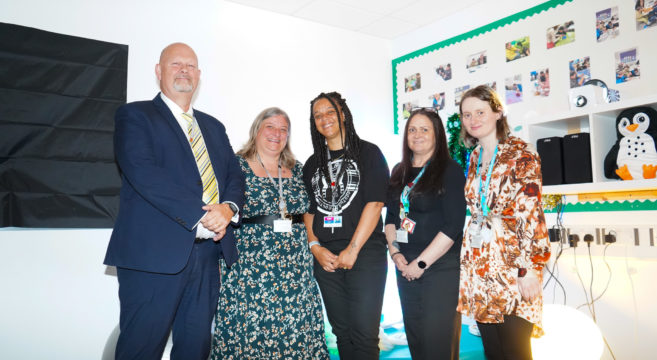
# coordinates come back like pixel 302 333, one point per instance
pixel 562 34
pixel 408 107
pixel 412 83
pixel 458 93
pixel 580 71
pixel 513 89
pixel 492 85
pixel 517 49
pixel 444 71
pixel 540 80
pixel 646 13
pixel 438 101
pixel 476 61
pixel 627 65
pixel 606 24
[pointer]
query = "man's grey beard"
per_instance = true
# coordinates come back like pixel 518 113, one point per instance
pixel 186 87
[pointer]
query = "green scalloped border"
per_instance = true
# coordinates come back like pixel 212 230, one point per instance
pixel 636 205
pixel 465 36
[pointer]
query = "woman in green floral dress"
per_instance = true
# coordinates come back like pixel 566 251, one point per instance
pixel 269 307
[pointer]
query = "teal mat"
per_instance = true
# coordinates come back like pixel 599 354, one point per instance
pixel 470 348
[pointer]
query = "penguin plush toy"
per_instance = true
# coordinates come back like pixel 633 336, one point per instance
pixel 634 156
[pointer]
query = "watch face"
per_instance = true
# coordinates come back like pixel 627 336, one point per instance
pixel 421 264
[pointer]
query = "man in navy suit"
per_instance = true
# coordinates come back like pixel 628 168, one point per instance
pixel 167 241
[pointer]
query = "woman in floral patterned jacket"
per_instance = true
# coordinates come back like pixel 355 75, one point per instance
pixel 505 244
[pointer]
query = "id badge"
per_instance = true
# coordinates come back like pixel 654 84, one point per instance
pixel 408 225
pixel 402 236
pixel 476 240
pixel 333 221
pixel 282 225
pixel 475 231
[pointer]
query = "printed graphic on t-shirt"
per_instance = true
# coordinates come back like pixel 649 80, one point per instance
pixel 347 184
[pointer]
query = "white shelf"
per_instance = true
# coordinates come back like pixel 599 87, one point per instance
pixel 600 122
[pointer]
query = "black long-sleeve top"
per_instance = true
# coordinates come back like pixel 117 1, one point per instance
pixel 433 213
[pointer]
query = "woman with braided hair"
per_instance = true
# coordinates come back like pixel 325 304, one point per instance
pixel 346 179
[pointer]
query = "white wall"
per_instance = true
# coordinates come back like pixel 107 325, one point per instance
pixel 472 17
pixel 56 300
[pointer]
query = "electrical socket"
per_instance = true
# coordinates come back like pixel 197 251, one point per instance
pixel 635 240
pixel 588 238
pixel 573 239
pixel 556 235
pixel 610 238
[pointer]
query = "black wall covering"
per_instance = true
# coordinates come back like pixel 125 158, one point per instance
pixel 58 96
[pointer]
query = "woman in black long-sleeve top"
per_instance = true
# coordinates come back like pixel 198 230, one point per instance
pixel 424 230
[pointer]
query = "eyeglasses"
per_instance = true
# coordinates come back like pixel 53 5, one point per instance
pixel 427 108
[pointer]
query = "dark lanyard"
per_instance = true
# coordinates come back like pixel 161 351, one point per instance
pixel 334 180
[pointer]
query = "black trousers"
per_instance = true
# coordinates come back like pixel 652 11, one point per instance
pixel 433 326
pixel 354 298
pixel 153 304
pixel 508 340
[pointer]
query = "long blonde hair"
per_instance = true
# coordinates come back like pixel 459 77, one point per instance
pixel 248 151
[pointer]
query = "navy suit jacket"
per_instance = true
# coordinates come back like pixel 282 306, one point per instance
pixel 161 192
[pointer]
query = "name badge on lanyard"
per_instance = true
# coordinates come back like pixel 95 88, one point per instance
pixel 476 237
pixel 402 236
pixel 280 225
pixel 407 225
pixel 333 220
pixel 283 225
pixel 479 231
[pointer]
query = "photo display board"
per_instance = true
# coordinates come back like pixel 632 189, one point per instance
pixel 534 58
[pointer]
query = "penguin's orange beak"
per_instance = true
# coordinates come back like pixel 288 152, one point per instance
pixel 632 127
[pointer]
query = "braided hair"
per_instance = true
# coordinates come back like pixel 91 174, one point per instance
pixel 351 143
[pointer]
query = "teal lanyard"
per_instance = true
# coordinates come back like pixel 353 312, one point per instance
pixel 403 198
pixel 482 191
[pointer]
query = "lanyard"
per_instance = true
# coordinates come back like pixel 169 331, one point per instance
pixel 334 209
pixel 403 198
pixel 281 202
pixel 482 192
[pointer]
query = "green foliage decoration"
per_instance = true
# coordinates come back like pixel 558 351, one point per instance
pixel 457 150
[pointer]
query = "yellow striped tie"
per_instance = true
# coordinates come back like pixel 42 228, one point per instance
pixel 210 189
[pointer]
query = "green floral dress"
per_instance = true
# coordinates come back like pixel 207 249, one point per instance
pixel 269 307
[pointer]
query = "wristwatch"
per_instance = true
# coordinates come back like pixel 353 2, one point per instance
pixel 233 207
pixel 421 264
pixel 522 272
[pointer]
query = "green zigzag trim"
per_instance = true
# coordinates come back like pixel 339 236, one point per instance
pixel 635 205
pixel 465 36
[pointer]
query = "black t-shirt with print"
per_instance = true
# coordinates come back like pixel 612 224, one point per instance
pixel 360 183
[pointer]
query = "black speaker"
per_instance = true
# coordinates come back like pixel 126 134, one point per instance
pixel 577 158
pixel 550 151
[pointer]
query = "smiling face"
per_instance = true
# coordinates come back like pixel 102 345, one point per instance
pixel 479 119
pixel 420 135
pixel 272 135
pixel 327 120
pixel 178 72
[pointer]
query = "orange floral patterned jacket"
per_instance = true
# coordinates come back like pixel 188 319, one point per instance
pixel 489 274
